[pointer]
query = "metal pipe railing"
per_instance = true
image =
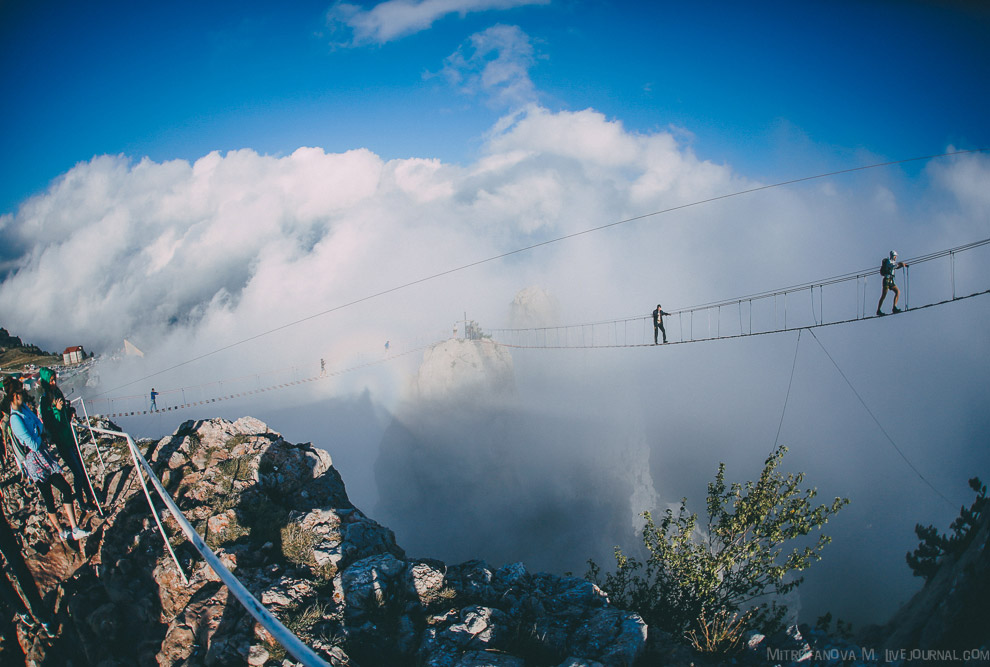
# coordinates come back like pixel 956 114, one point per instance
pixel 292 644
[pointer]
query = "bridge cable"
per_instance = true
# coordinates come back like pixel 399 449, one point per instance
pixel 797 347
pixel 534 246
pixel 877 421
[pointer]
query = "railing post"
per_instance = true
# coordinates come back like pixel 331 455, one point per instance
pixel 907 288
pixel 952 272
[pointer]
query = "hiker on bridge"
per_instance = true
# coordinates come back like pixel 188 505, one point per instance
pixel 887 268
pixel 154 402
pixel 57 415
pixel 658 316
pixel 40 466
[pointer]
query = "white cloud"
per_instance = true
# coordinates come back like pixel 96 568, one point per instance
pixel 178 250
pixel 497 66
pixel 393 19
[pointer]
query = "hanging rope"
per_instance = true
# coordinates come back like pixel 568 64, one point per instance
pixel 882 429
pixel 797 346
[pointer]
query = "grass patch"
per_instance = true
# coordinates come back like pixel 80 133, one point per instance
pixel 297 545
pixel 325 574
pixel 300 622
pixel 238 439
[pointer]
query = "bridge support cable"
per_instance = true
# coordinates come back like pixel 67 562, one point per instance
pixel 292 644
pixel 769 311
pixel 787 397
pixel 879 425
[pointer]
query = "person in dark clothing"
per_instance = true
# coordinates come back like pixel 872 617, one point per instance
pixel 57 415
pixel 658 316
pixel 18 570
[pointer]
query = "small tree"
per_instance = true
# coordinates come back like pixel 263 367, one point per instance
pixel 709 586
pixel 925 560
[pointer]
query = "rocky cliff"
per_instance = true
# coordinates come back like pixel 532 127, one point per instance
pixel 951 611
pixel 278 516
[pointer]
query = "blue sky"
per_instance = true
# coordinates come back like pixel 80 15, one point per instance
pixel 775 90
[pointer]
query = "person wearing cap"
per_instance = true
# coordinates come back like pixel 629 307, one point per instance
pixel 658 316
pixel 57 415
pixel 887 268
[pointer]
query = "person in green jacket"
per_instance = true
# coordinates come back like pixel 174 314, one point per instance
pixel 57 415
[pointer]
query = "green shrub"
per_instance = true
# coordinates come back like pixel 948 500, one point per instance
pixel 709 586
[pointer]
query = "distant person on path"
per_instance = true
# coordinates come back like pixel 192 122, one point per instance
pixel 323 368
pixel 154 403
pixel 57 415
pixel 40 466
pixel 887 268
pixel 658 316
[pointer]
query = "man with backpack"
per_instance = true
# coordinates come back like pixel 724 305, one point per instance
pixel 887 268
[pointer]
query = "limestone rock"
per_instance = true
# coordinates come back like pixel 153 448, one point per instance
pixel 277 515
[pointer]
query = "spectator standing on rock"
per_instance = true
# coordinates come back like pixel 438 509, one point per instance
pixel 57 416
pixel 40 466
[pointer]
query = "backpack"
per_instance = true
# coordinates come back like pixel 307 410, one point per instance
pixel 886 267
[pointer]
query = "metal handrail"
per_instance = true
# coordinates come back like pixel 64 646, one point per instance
pixel 289 641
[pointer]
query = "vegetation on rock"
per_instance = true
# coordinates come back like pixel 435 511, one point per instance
pixel 925 560
pixel 710 585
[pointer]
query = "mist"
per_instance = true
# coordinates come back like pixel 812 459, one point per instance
pixel 194 263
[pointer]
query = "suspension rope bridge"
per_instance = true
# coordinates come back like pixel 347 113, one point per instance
pixel 776 311
pixel 772 306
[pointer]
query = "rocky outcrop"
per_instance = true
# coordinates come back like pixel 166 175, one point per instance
pixel 950 611
pixel 277 514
